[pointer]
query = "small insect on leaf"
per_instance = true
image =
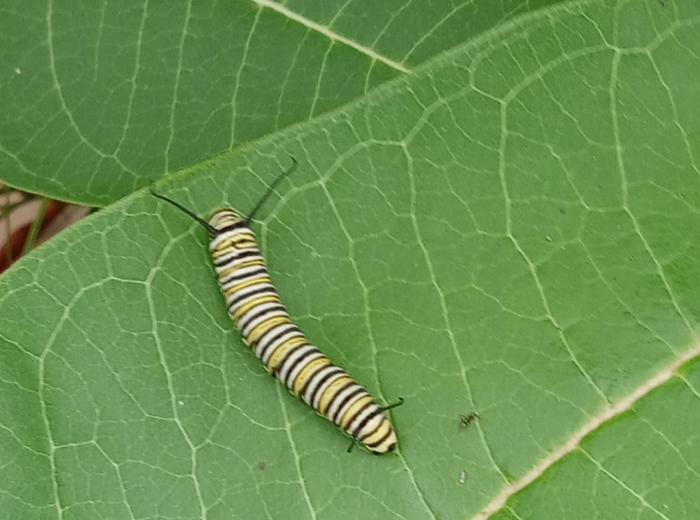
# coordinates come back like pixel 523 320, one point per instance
pixel 466 420
pixel 462 476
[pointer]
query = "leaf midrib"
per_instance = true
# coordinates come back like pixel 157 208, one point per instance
pixel 331 35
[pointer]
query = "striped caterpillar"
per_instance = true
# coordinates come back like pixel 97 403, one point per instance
pixel 265 326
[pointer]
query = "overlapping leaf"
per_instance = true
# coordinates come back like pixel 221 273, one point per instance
pixel 100 100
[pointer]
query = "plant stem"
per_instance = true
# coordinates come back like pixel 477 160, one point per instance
pixel 35 227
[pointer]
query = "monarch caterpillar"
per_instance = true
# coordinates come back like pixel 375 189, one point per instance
pixel 265 326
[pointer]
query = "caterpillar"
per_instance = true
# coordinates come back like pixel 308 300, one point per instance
pixel 266 328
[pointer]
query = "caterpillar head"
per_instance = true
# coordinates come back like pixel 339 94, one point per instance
pixel 226 220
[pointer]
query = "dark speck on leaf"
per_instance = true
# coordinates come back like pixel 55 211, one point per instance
pixel 466 420
pixel 262 466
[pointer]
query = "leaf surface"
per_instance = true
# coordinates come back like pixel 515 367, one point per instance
pixel 512 231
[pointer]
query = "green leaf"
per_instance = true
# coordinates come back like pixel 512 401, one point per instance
pixel 104 98
pixel 512 231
